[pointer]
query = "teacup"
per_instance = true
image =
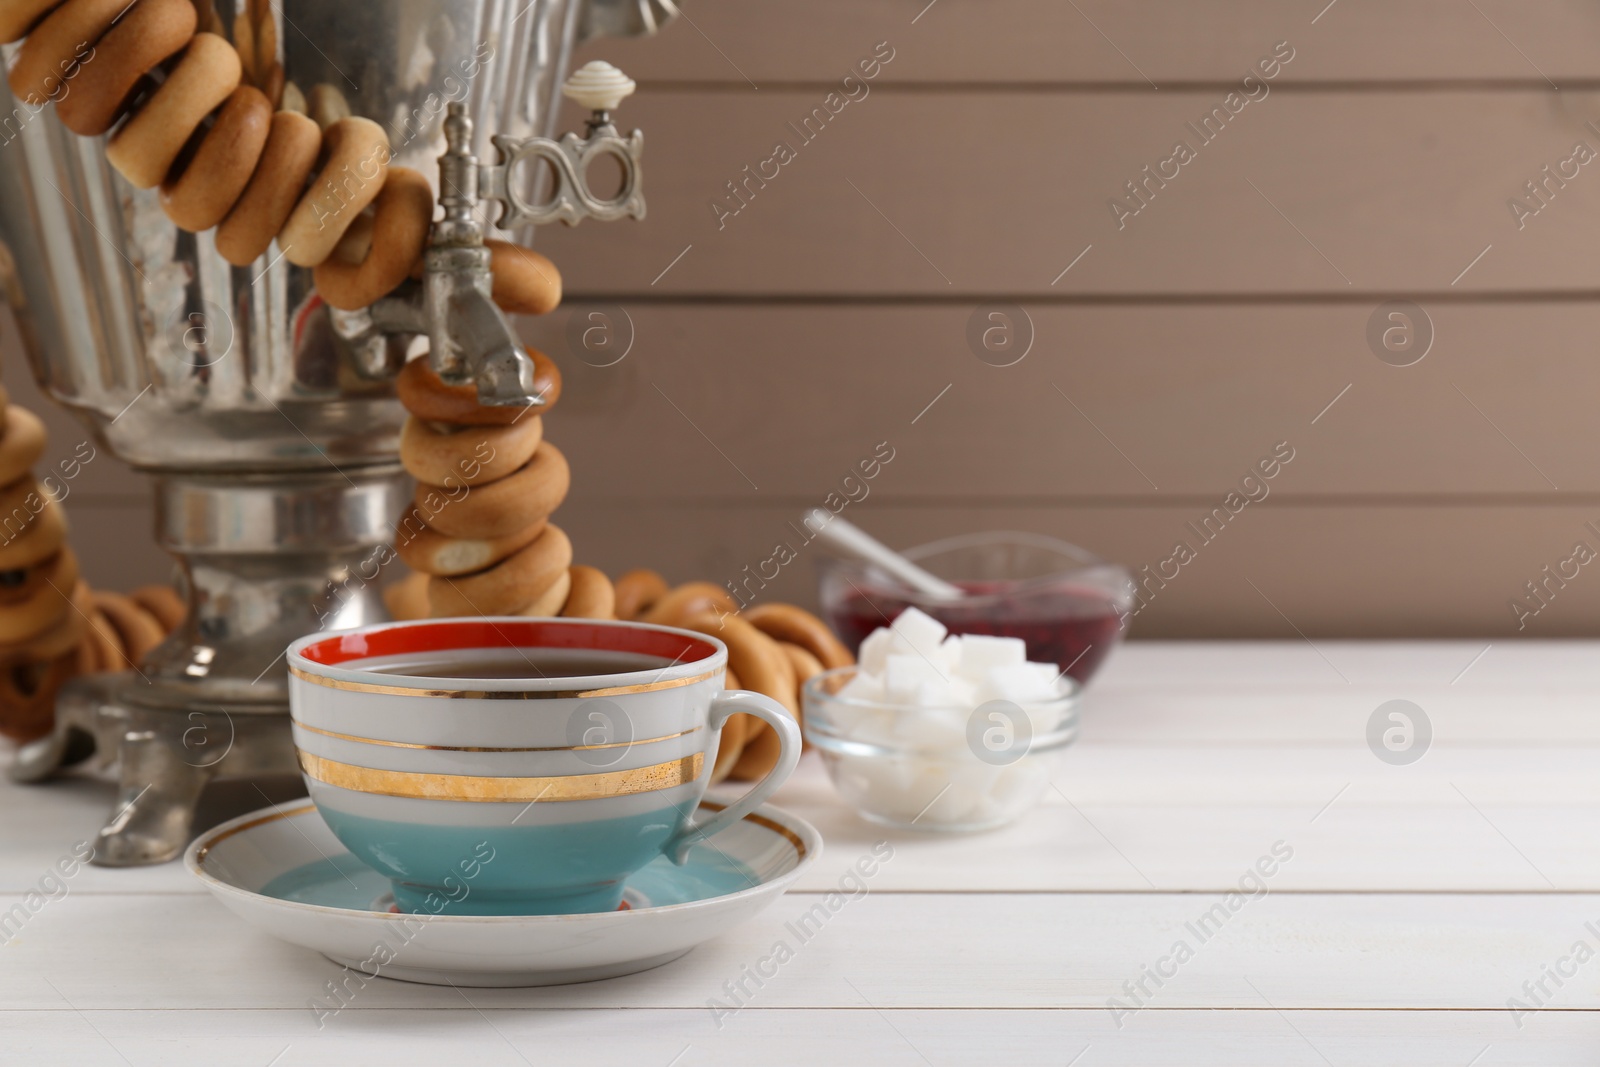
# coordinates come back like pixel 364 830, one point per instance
pixel 515 766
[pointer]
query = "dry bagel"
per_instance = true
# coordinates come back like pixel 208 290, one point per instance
pixel 762 745
pixel 42 538
pixel 500 509
pixel 637 591
pixel 59 639
pixel 163 602
pixel 272 84
pixel 146 146
pixel 805 667
pixel 138 631
pixel 56 47
pixel 212 182
pixel 32 526
pixel 357 163
pixel 548 606
pixel 28 695
pixel 592 596
pixel 689 599
pixel 470 454
pixel 255 35
pixel 752 655
pixel 510 585
pixel 88 649
pixel 21 585
pixel 293 142
pixel 269 72
pixel 426 396
pixel 294 100
pixel 148 35
pixel 402 215
pixel 789 694
pixel 785 622
pixel 431 552
pixel 730 743
pixel 327 104
pixel 22 444
pixel 407 599
pixel 244 39
pixel 47 602
pixel 525 283
pixel 759 755
pixel 104 645
pixel 18 16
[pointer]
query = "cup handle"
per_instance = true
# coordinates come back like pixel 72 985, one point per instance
pixel 723 706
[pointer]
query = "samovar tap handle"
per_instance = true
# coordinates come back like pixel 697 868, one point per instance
pixel 601 88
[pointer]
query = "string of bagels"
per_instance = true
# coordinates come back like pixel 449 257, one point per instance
pixel 233 146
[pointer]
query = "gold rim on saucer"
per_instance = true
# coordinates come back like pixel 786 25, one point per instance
pixel 203 851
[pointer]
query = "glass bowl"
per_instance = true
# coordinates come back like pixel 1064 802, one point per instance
pixel 1066 603
pixel 949 769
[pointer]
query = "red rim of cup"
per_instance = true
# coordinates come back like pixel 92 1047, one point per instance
pixel 456 635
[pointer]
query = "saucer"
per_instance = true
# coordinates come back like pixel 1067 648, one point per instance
pixel 282 871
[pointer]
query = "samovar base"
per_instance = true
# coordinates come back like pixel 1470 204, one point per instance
pixel 165 757
pixel 267 558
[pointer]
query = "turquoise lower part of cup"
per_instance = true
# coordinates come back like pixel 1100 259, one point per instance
pixel 564 869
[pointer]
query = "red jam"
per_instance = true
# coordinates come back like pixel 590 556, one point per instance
pixel 1073 627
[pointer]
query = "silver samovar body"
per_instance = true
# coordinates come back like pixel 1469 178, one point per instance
pixel 266 422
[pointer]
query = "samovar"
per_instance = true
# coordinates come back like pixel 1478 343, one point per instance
pixel 267 421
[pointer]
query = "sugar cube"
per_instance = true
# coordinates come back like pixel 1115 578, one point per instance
pixel 934 730
pixel 943 799
pixel 905 674
pixel 1046 675
pixel 1016 682
pixel 950 654
pixel 875 728
pixel 980 653
pixel 874 650
pixel 915 630
pixel 863 686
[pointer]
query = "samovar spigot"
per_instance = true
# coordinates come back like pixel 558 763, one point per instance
pixel 469 338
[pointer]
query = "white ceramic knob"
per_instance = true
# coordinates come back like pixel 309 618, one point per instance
pixel 598 86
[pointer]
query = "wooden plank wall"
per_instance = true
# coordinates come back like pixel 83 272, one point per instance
pixel 774 346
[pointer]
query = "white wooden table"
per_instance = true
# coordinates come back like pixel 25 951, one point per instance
pixel 1418 900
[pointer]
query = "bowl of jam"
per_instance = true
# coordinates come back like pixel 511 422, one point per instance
pixel 1065 602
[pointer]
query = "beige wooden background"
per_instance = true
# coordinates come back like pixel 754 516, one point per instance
pixel 770 355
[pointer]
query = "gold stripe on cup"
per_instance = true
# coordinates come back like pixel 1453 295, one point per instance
pixel 475 788
pixel 476 748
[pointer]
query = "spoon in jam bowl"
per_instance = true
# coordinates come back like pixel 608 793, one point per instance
pixel 851 541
